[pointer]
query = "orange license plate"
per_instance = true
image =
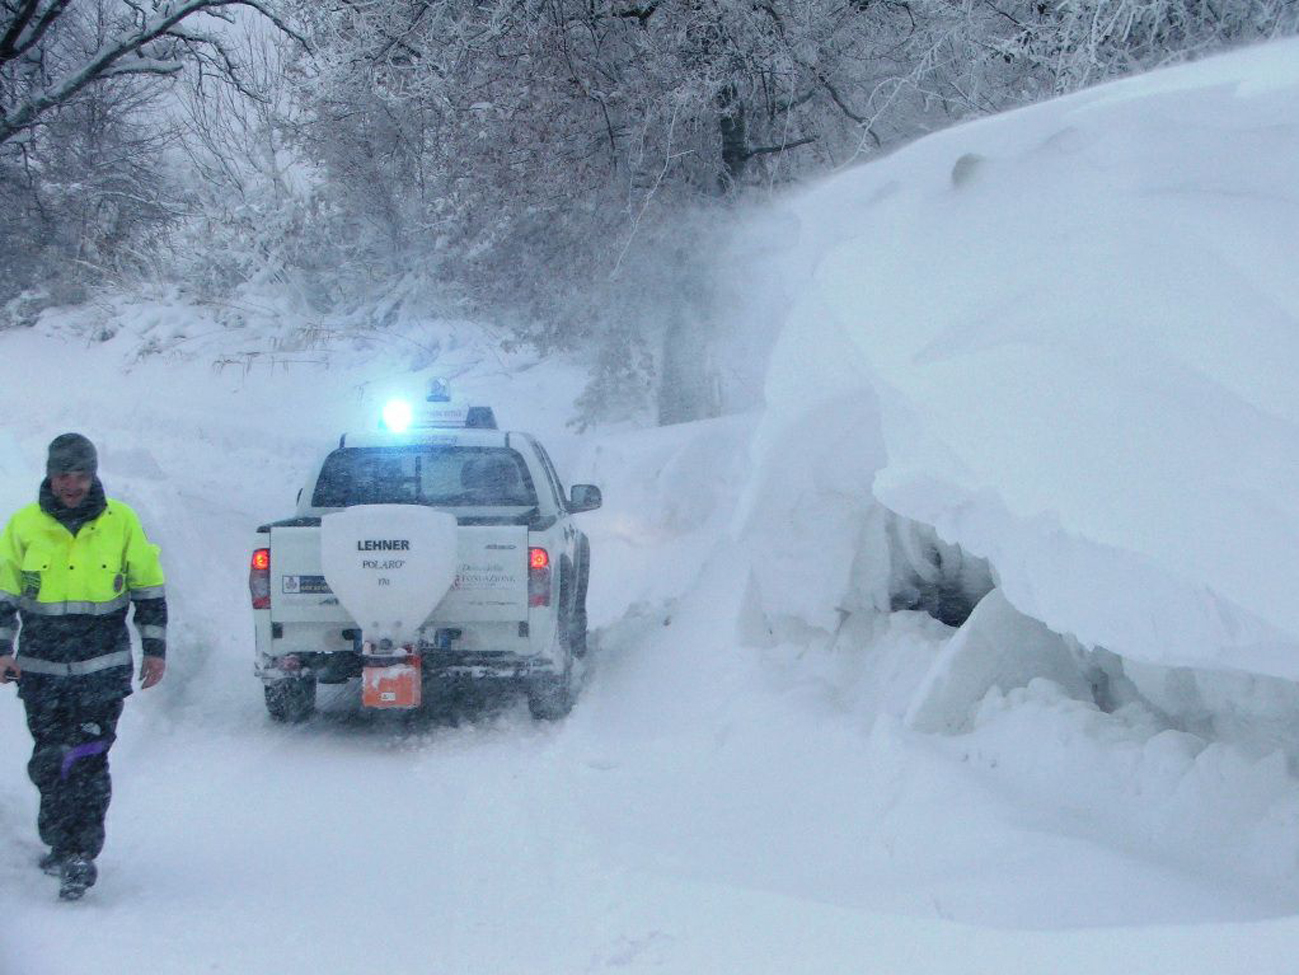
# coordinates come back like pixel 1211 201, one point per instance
pixel 393 686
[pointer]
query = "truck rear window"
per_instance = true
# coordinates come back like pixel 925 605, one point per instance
pixel 433 475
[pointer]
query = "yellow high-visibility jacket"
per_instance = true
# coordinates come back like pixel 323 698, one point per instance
pixel 69 594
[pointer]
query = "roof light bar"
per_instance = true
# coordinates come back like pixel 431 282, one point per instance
pixel 397 416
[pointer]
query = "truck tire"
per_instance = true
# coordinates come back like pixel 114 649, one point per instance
pixel 291 701
pixel 552 696
pixel 575 631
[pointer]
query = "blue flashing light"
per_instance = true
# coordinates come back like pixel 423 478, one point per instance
pixel 397 416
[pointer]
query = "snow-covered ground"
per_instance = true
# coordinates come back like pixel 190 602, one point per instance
pixel 1055 344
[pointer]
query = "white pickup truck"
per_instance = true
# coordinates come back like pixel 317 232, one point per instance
pixel 516 608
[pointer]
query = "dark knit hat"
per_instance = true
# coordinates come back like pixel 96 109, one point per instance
pixel 71 452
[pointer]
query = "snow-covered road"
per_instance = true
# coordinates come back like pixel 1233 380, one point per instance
pixel 778 837
pixel 709 806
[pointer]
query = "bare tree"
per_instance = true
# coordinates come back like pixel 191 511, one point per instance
pixel 88 176
pixel 565 166
pixel 568 162
pixel 1084 42
pixel 155 38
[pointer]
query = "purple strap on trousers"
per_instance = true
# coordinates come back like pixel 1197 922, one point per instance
pixel 74 755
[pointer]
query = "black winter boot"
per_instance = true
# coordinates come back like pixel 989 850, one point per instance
pixel 79 874
pixel 52 863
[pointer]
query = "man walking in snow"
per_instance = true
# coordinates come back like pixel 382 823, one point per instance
pixel 70 566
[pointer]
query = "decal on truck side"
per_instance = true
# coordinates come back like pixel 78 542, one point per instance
pixel 304 585
pixel 494 575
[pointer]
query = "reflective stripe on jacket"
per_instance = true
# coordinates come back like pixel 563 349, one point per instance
pixel 81 668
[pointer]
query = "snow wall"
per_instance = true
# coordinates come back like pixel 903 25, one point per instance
pixel 1061 340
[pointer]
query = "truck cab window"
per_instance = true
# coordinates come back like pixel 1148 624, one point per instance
pixel 469 476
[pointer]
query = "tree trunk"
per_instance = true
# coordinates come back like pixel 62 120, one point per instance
pixel 735 139
pixel 687 384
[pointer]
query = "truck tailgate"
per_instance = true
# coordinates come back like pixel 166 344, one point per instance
pixel 491 577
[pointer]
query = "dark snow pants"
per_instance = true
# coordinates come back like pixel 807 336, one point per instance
pixel 70 768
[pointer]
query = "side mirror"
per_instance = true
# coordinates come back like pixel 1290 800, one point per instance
pixel 584 497
pixel 299 498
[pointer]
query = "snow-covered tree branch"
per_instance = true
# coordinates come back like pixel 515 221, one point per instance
pixel 143 39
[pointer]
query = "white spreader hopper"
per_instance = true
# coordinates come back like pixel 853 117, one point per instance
pixel 389 565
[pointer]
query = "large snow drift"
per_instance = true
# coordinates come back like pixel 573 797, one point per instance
pixel 1066 339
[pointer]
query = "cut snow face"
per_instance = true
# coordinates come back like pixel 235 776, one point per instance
pixel 1053 351
pixel 1064 338
pixel 996 648
pixel 822 549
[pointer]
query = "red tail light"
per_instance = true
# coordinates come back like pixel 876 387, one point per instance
pixel 259 579
pixel 538 577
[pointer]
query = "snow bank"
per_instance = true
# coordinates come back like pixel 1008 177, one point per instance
pixel 669 494
pixel 1065 339
pixel 996 648
pixel 1051 353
